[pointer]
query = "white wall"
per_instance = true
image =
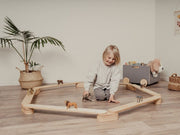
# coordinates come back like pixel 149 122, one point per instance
pixel 86 27
pixel 167 43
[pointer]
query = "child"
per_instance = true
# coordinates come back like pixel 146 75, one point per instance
pixel 106 76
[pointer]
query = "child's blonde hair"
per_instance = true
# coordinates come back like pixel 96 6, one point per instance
pixel 115 51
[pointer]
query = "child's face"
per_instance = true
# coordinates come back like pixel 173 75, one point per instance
pixel 109 59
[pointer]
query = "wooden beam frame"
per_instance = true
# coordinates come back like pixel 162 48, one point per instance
pixel 102 115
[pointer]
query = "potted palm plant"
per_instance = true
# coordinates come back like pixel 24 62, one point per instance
pixel 28 78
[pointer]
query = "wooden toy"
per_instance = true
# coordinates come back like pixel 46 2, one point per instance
pixel 69 104
pixel 60 81
pixel 155 67
pixel 139 98
pixel 137 73
pixel 102 114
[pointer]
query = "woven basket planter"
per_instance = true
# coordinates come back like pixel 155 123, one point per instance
pixel 31 79
pixel 174 82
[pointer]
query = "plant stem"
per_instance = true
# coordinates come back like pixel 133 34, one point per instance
pixel 26 67
pixel 23 51
pixel 17 52
pixel 31 55
pixel 26 47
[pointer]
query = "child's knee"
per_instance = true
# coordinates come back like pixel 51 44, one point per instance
pixel 100 97
pixel 99 94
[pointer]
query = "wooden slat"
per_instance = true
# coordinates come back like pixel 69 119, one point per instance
pixel 58 85
pixel 28 98
pixel 47 86
pixel 79 84
pixel 64 109
pixel 28 108
pixel 143 89
pixel 129 106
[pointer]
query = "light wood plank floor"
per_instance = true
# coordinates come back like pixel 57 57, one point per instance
pixel 151 119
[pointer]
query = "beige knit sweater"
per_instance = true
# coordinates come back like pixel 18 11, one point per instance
pixel 106 77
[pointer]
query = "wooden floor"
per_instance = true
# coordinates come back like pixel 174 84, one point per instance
pixel 151 119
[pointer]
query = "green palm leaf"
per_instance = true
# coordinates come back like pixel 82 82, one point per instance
pixel 5 41
pixel 44 40
pixel 10 27
pixel 27 35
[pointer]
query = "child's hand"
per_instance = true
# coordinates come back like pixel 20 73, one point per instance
pixel 85 93
pixel 112 100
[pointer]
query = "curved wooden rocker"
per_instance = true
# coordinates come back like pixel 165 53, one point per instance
pixel 102 115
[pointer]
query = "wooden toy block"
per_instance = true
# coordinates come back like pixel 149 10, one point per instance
pixel 159 101
pixel 37 92
pixel 27 110
pixel 27 100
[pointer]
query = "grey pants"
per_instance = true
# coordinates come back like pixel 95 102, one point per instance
pixel 101 94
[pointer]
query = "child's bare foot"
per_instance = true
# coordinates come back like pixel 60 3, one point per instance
pixel 113 101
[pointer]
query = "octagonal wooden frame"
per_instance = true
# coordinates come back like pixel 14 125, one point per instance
pixel 102 115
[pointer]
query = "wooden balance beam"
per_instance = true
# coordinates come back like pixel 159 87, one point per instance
pixel 64 109
pixel 132 105
pixel 36 90
pixel 102 115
